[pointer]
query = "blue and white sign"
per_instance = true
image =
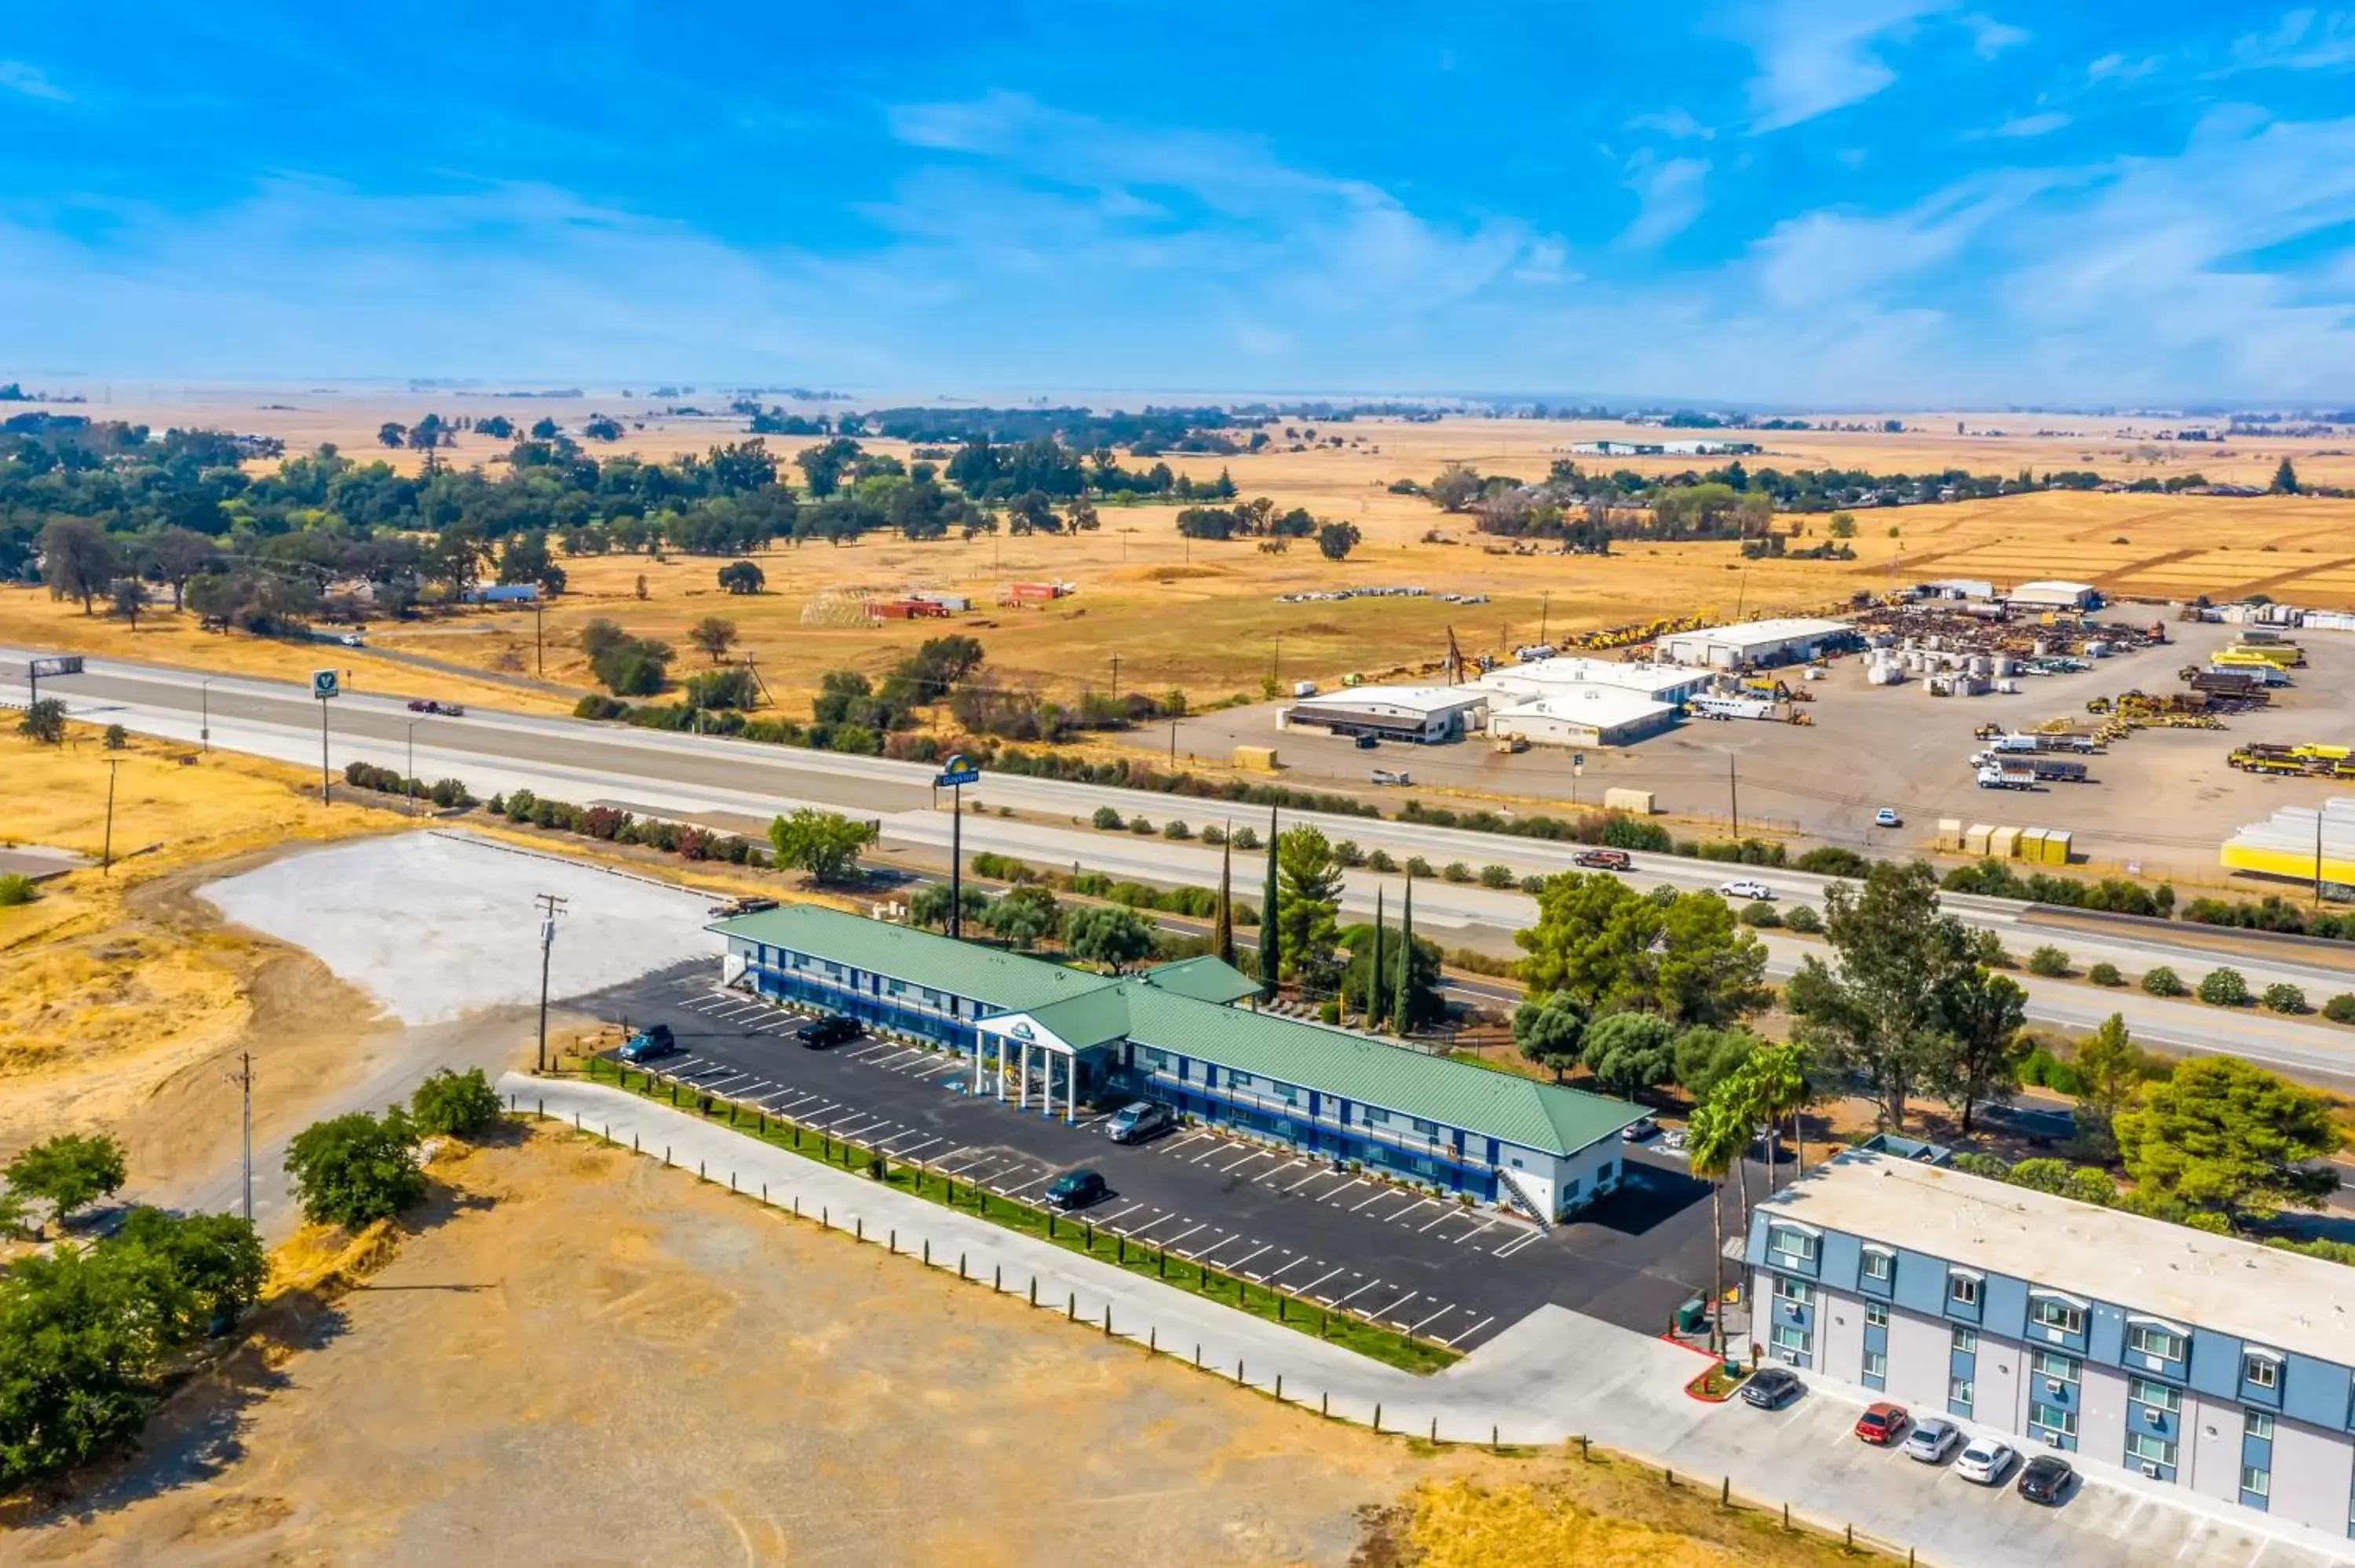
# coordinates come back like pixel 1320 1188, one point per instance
pixel 959 770
pixel 325 684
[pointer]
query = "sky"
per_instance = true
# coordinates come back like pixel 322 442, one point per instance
pixel 1827 203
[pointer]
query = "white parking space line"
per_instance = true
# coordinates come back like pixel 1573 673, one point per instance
pixel 865 1051
pixel 1288 1267
pixel 1441 1221
pixel 843 1127
pixel 1434 1317
pixel 1467 1235
pixel 1470 1331
pixel 1176 1144
pixel 1118 1214
pixel 1399 1216
pixel 1038 1180
pixel 1222 1241
pixel 1365 1202
pixel 1385 1312
pixel 1246 1257
pixel 939 1066
pixel 778 1027
pixel 795 1109
pixel 1361 1290
pixel 1150 1223
pixel 1207 1155
pixel 1181 1236
pixel 964 1165
pixel 912 1132
pixel 1510 1248
pixel 1306 1180
pixel 1255 1154
pixel 1337 1194
pixel 1318 1281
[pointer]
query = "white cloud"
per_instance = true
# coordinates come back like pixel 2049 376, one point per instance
pixel 2303 40
pixel 16 76
pixel 1990 38
pixel 1826 257
pixel 2119 69
pixel 1816 56
pixel 1671 192
pixel 1674 122
pixel 2025 125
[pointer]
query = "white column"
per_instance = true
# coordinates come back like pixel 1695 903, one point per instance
pixel 997 1050
pixel 1046 1080
pixel 1072 1096
pixel 1022 1091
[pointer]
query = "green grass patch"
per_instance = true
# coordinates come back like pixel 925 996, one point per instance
pixel 1369 1339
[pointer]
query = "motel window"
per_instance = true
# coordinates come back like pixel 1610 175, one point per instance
pixel 1876 1314
pixel 2050 1312
pixel 2155 1339
pixel 1426 1128
pixel 2257 1424
pixel 1876 1364
pixel 1790 1246
pixel 1880 1267
pixel 1961 1394
pixel 2256 1480
pixel 2043 1419
pixel 2151 1449
pixel 1791 1340
pixel 1967 1341
pixel 2055 1369
pixel 2158 1395
pixel 1798 1292
pixel 2260 1370
pixel 1962 1289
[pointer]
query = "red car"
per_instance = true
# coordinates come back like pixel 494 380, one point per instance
pixel 1881 1424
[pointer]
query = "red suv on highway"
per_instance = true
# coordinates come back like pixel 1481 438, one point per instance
pixel 1603 860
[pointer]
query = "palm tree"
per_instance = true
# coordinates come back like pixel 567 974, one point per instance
pixel 1783 1091
pixel 1715 1140
pixel 1740 1098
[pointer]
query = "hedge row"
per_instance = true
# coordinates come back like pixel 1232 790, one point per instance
pixel 387 781
pixel 616 826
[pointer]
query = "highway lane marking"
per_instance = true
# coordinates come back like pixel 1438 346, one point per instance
pixel 1470 1331
pixel 1434 1317
pixel 1384 1315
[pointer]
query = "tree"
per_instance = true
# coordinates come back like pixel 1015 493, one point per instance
pixel 1630 1053
pixel 1704 1058
pixel 454 1105
pixel 129 598
pixel 544 429
pixel 395 435
pixel 1402 999
pixel 1270 930
pixel 2223 1137
pixel 1024 915
pixel 78 1344
pixel 1877 1012
pixel 527 559
pixel 2112 1067
pixel 1714 1143
pixel 213 1267
pixel 1983 1013
pixel 1308 900
pixel 929 906
pixel 1550 1031
pixel 1379 990
pixel 743 576
pixel 1786 1090
pixel 44 721
pixel 1843 526
pixel 70 1171
pixel 1113 936
pixel 173 555
pixel 2285 479
pixel 1455 488
pixel 714 634
pixel 354 1170
pixel 1681 955
pixel 1222 926
pixel 77 560
pixel 1336 540
pixel 825 844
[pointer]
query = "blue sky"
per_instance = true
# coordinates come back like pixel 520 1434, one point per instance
pixel 1837 202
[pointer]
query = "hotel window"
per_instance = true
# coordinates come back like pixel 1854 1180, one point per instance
pixel 1880 1267
pixel 2260 1370
pixel 2257 1424
pixel 1425 1128
pixel 1791 1340
pixel 1790 1247
pixel 1960 1395
pixel 2154 1340
pixel 1962 1289
pixel 2256 1481
pixel 1876 1364
pixel 2058 1368
pixel 1798 1292
pixel 1876 1314
pixel 2043 1419
pixel 2050 1312
pixel 1238 1080
pixel 1967 1341
pixel 2158 1395
pixel 2149 1449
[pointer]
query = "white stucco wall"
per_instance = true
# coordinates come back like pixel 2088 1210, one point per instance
pixel 2313 1470
pixel 1917 1359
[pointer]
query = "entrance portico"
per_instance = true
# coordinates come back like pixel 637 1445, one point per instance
pixel 1055 1037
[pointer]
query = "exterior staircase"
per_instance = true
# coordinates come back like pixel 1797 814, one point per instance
pixel 1522 1200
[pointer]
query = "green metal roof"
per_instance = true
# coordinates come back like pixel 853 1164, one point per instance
pixel 1187 1017
pixel 1205 978
pixel 988 975
pixel 1506 1106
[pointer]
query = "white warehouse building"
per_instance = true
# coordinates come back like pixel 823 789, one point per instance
pixel 1582 716
pixel 2055 594
pixel 1753 644
pixel 1554 677
pixel 1425 714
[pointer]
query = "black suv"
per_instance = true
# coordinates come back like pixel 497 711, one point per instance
pixel 2045 1479
pixel 1771 1388
pixel 831 1030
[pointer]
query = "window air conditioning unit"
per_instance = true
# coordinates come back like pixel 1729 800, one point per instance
pixel 2051 1385
pixel 2154 1417
pixel 2053 1439
pixel 2150 1469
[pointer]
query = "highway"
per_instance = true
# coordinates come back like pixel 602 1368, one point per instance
pixel 742 785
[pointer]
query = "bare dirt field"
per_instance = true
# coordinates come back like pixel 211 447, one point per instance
pixel 582 1357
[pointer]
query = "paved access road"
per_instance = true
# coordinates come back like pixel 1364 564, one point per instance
pixel 1432 1266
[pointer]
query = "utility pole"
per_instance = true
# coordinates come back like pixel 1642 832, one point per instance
pixel 412 761
pixel 551 906
pixel 1115 674
pixel 243 1079
pixel 539 638
pixel 205 724
pixel 1545 614
pixel 1733 793
pixel 106 867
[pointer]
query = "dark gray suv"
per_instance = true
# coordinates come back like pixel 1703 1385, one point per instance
pixel 1138 1120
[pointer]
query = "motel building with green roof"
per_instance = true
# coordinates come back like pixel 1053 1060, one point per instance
pixel 1045 1038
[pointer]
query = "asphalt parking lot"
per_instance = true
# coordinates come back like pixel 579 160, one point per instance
pixel 1453 1274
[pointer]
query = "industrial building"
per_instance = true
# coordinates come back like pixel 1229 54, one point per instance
pixel 1426 716
pixel 2197 1359
pixel 1582 716
pixel 1755 644
pixel 2053 594
pixel 1048 1037
pixel 2294 844
pixel 1548 677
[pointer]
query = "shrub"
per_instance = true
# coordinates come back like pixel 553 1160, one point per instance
pixel 1381 860
pixel 1457 872
pixel 597 705
pixel 71 1170
pixel 2106 974
pixel 353 1170
pixel 2340 1009
pixel 1214 835
pixel 1139 825
pixel 116 738
pixel 1346 851
pixel 1175 829
pixel 454 1105
pixel 1418 866
pixel 16 890
pixel 1830 859
pixel 2048 961
pixel 2284 998
pixel 1802 917
pixel 1499 876
pixel 1533 884
pixel 2164 981
pixel 1761 913
pixel 1108 820
pixel 2224 988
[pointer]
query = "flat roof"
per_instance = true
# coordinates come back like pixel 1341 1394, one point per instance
pixel 1753 633
pixel 1605 707
pixel 2054 585
pixel 2275 1299
pixel 1425 699
pixel 1546 674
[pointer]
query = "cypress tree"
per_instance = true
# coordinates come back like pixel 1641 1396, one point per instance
pixel 1271 937
pixel 1374 975
pixel 1222 930
pixel 1401 1013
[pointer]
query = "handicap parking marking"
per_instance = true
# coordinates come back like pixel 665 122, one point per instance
pixel 1510 1248
pixel 1434 1317
pixel 1470 1331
